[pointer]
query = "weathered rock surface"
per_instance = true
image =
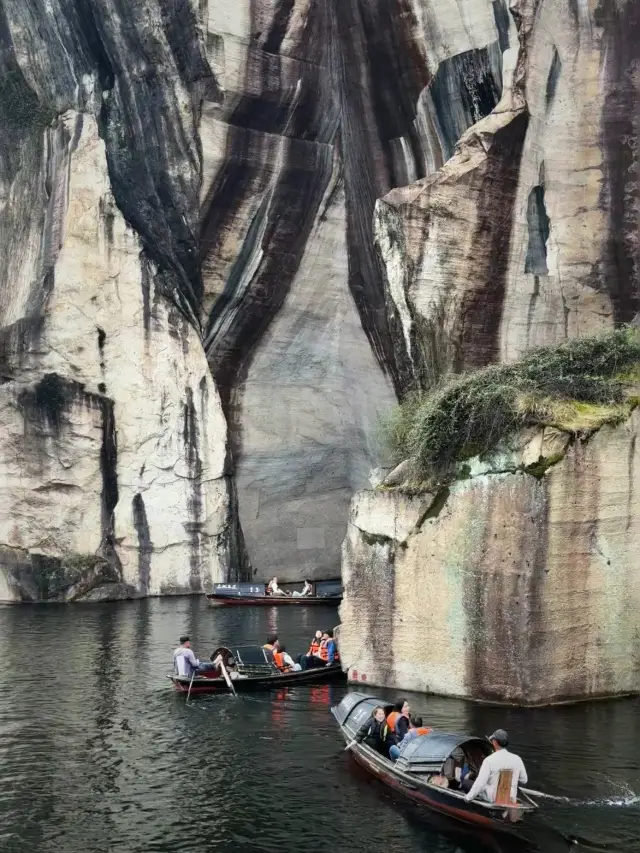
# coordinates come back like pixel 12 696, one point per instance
pixel 326 107
pixel 528 234
pixel 237 151
pixel 512 587
pixel 113 443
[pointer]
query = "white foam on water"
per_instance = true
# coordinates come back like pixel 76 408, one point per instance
pixel 624 796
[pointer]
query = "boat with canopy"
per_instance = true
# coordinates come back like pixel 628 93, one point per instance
pixel 426 770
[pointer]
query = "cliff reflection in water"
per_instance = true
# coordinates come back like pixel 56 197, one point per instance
pixel 97 755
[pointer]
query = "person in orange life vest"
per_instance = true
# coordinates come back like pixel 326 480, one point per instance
pixel 272 643
pixel 393 716
pixel 402 721
pixel 314 649
pixel 328 649
pixel 283 660
pixel 415 730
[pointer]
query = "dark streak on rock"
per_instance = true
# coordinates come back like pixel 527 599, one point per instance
pixel 466 87
pixel 554 75
pixel 194 466
pixel 145 545
pixel 278 30
pixel 379 70
pixel 482 310
pixel 47 402
pixel 503 600
pixel 109 468
pixel 239 561
pixel 501 16
pixel 620 130
pixel 538 225
pixel 284 218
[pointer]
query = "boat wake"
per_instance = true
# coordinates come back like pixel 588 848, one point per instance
pixel 622 797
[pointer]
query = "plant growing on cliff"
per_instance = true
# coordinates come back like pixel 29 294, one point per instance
pixel 576 386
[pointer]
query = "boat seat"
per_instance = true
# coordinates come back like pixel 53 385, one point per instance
pixel 503 791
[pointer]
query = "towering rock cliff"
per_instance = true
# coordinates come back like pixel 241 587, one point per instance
pixel 518 581
pixel 234 232
pixel 113 443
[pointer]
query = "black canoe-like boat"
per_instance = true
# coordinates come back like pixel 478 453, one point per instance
pixel 326 592
pixel 429 758
pixel 251 668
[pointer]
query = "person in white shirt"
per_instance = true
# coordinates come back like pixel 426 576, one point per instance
pixel 184 660
pixel 307 589
pixel 486 784
pixel 273 588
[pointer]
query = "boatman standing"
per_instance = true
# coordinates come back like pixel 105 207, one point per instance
pixel 486 785
pixel 184 660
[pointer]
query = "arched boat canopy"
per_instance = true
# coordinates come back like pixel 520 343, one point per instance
pixel 428 753
pixel 249 660
pixel 355 708
pixel 425 753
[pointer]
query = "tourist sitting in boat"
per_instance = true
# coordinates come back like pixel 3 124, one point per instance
pixel 326 654
pixel 415 729
pixel 486 785
pixel 272 643
pixel 273 588
pixel 284 661
pixel 393 715
pixel 376 733
pixel 185 662
pixel 307 589
pixel 402 722
pixel 314 649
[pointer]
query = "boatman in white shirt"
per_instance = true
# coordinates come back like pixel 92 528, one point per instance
pixel 184 660
pixel 486 785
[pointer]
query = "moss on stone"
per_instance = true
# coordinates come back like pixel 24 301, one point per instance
pixel 539 469
pixel 577 387
pixel 54 575
pixel 372 539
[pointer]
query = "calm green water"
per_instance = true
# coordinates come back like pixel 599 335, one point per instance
pixel 98 755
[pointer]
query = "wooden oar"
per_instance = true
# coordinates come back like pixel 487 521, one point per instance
pixel 349 745
pixel 190 683
pixel 533 793
pixel 220 662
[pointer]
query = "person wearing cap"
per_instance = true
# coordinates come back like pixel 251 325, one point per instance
pixel 184 661
pixel 486 785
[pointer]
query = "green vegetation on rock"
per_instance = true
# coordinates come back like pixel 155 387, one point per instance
pixel 577 387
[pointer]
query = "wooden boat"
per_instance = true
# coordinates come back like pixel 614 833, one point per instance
pixel 251 668
pixel 325 592
pixel 423 765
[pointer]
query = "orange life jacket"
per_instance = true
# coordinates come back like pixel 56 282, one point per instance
pixel 423 730
pixel 278 659
pixel 391 720
pixel 314 648
pixel 324 651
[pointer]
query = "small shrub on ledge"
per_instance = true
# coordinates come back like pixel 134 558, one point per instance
pixel 577 387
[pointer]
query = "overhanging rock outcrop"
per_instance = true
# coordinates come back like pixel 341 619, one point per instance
pixel 519 584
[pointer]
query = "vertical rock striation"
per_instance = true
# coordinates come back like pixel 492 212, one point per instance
pixel 113 452
pixel 525 236
pixel 511 586
pixel 326 106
